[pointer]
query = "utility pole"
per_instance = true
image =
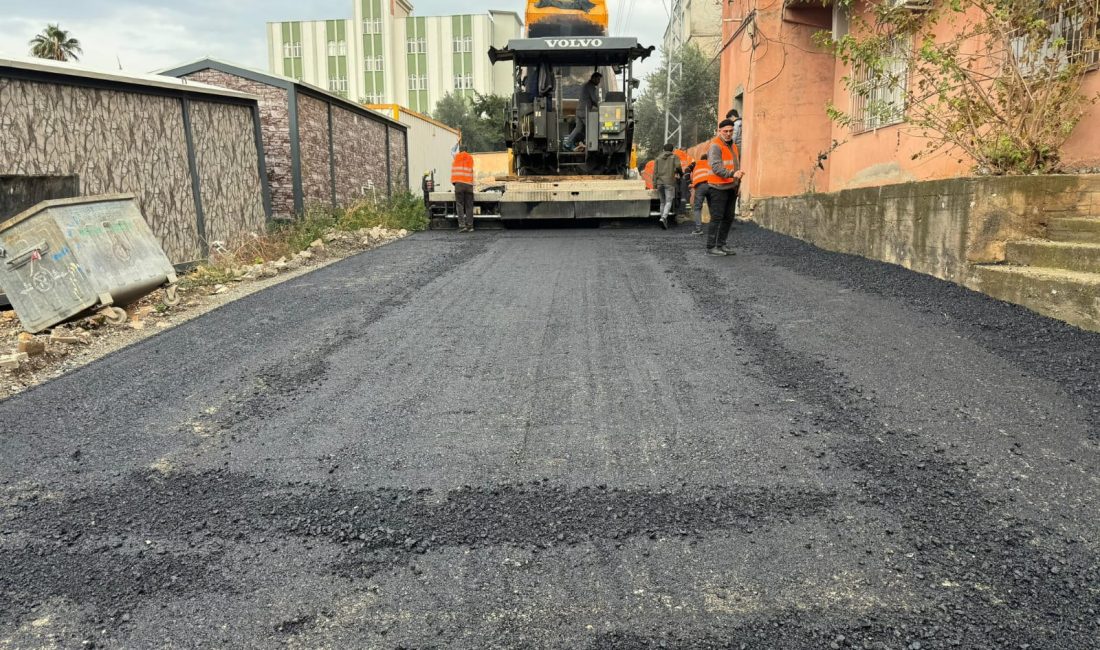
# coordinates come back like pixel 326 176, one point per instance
pixel 674 45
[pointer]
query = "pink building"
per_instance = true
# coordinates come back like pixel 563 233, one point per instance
pixel 781 82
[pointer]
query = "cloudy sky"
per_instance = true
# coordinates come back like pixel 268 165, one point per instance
pixel 142 35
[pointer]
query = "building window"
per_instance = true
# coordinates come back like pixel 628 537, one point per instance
pixel 416 45
pixel 371 98
pixel 337 48
pixel 372 26
pixel 464 44
pixel 292 50
pixel 841 21
pixel 338 84
pixel 418 82
pixel 464 82
pixel 878 95
pixel 1072 39
pixel 373 64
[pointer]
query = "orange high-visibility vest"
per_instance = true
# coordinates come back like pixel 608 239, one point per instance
pixel 685 159
pixel 647 174
pixel 700 174
pixel 462 169
pixel 730 159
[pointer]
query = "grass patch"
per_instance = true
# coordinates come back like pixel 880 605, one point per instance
pixel 287 238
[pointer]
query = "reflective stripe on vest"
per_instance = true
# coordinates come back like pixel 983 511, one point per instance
pixel 729 160
pixel 462 169
pixel 700 174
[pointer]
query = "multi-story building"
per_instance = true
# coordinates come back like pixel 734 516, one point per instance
pixel 695 22
pixel 386 55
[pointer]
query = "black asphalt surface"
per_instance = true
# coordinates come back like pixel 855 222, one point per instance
pixel 567 439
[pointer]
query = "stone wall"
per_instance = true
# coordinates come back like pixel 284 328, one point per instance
pixel 228 167
pixel 275 124
pixel 399 160
pixel 115 141
pixel 313 151
pixel 359 151
pixel 934 227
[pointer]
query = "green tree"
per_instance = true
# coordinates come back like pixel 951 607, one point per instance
pixel 55 43
pixel 696 95
pixel 999 81
pixel 480 118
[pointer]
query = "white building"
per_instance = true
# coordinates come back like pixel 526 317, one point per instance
pixel 384 55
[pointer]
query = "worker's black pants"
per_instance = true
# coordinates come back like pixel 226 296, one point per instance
pixel 464 205
pixel 721 204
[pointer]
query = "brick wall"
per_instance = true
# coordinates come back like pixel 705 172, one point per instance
pixel 275 124
pixel 399 160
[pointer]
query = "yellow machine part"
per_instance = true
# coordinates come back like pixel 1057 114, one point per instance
pixel 566 18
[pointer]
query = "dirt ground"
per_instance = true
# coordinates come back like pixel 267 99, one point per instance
pixel 89 336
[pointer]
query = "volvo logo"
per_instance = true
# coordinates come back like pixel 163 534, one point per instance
pixel 574 42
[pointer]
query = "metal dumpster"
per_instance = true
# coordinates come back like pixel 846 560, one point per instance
pixel 65 256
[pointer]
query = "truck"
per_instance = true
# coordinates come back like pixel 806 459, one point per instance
pixel 595 179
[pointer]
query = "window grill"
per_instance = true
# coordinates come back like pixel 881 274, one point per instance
pixel 878 94
pixel 1072 39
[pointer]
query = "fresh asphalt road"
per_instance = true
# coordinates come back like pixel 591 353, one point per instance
pixel 567 439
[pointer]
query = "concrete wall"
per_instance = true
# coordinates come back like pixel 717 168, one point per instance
pixel 128 139
pixel 934 227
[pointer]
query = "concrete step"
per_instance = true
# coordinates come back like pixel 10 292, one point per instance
pixel 1071 296
pixel 1071 256
pixel 1075 229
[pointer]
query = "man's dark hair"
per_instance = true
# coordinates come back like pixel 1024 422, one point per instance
pixel 668 146
pixel 733 114
pixel 724 123
pixel 596 75
pixel 703 157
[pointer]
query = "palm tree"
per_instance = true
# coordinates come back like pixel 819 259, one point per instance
pixel 55 43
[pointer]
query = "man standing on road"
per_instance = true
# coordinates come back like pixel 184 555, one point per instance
pixel 666 173
pixel 699 176
pixel 722 186
pixel 589 101
pixel 462 177
pixel 427 185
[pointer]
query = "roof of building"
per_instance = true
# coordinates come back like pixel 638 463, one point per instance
pixel 271 79
pixel 398 108
pixel 35 67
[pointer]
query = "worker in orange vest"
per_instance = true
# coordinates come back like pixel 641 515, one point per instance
pixel 647 174
pixel 462 177
pixel 699 177
pixel 723 183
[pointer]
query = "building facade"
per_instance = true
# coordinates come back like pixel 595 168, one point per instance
pixel 782 82
pixel 430 145
pixel 695 22
pixel 385 55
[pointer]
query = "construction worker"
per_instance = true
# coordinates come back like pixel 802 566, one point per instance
pixel 699 177
pixel 723 183
pixel 666 177
pixel 427 185
pixel 462 177
pixel 683 187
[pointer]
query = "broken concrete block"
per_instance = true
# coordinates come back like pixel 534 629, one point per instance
pixel 31 344
pixel 317 245
pixel 12 361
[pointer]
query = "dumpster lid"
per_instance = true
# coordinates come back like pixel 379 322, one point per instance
pixel 45 205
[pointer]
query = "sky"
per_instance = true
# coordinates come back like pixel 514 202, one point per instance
pixel 144 36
